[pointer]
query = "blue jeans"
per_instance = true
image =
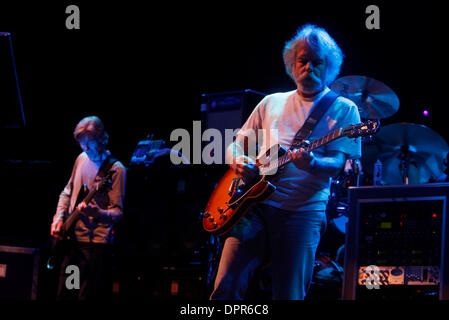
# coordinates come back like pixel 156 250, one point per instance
pixel 289 238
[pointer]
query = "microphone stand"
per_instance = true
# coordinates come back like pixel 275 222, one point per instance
pixel 404 163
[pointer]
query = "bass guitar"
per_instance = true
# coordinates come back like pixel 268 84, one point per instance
pixel 233 196
pixel 59 246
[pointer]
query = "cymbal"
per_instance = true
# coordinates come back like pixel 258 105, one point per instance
pixel 422 148
pixel 374 99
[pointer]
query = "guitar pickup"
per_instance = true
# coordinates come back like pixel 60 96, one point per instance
pixel 234 185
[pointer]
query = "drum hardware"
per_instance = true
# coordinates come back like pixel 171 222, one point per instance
pixel 410 154
pixel 405 162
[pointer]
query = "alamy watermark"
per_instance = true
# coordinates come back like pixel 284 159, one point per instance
pixel 73 19
pixel 373 20
pixel 191 147
pixel 373 277
pixel 73 279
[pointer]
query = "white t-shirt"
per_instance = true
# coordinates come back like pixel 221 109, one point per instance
pixel 286 112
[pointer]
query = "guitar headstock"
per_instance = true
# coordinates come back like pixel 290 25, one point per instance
pixel 366 128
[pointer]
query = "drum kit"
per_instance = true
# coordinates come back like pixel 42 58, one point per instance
pixel 399 153
pixel 407 153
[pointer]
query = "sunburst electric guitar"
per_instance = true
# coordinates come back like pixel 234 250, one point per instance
pixel 233 196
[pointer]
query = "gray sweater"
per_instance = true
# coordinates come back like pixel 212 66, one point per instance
pixel 88 229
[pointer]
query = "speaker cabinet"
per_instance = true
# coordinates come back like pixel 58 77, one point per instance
pixel 228 110
pixel 19 269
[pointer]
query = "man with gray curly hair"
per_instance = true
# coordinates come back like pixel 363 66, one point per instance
pixel 327 64
pixel 286 228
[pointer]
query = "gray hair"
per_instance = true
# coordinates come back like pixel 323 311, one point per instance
pixel 315 37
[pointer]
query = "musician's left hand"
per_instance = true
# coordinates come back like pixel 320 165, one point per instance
pixel 90 210
pixel 302 159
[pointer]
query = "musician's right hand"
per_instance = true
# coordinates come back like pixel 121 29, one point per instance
pixel 245 167
pixel 56 228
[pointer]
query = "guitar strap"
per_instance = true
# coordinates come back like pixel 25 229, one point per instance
pixel 106 166
pixel 315 116
pixel 103 170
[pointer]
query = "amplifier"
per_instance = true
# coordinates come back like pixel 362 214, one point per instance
pixel 397 242
pixel 183 282
pixel 228 110
pixel 19 269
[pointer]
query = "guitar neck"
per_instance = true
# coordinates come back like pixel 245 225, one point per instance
pixel 70 221
pixel 314 144
pixel 334 135
pixel 73 218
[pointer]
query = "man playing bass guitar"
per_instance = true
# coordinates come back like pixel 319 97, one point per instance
pixel 91 233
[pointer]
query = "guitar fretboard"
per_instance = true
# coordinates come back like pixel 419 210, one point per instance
pixel 283 160
pixel 75 214
pixel 323 140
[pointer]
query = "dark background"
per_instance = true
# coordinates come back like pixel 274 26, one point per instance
pixel 142 70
